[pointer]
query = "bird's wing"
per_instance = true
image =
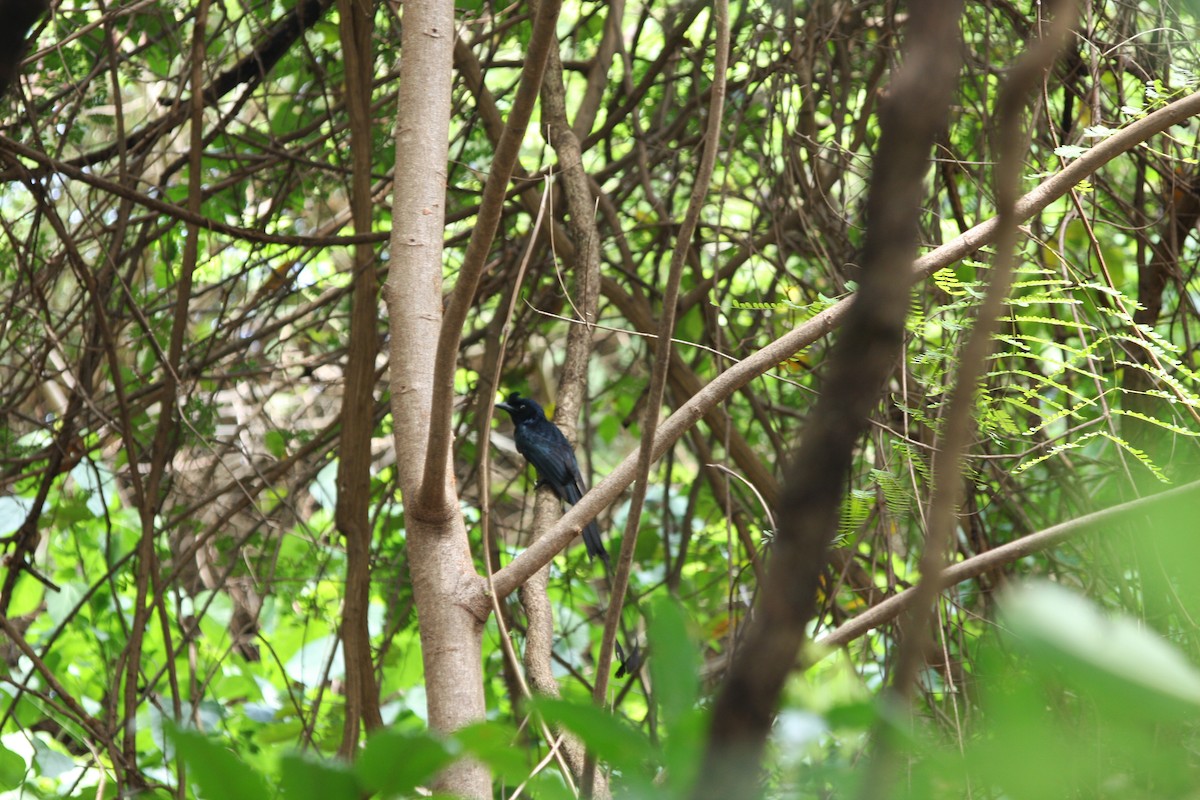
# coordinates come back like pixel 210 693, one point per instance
pixel 573 489
pixel 577 485
pixel 547 449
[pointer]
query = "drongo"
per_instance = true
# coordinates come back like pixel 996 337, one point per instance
pixel 544 446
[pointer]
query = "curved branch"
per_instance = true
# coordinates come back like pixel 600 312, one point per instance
pixel 251 70
pixel 887 610
pixel 605 492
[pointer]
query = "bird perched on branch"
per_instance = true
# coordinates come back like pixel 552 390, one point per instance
pixel 544 446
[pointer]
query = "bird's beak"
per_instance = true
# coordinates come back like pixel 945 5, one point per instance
pixel 505 406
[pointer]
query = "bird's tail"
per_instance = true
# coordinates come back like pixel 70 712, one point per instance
pixel 594 543
pixel 573 493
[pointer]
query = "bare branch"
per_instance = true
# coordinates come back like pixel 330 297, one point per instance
pixel 434 492
pixel 822 324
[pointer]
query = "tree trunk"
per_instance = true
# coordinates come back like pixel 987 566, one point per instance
pixel 451 604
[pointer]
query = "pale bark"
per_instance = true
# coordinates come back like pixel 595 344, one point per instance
pixel 445 585
pixel 585 264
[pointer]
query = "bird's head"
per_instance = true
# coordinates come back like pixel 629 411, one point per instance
pixel 522 409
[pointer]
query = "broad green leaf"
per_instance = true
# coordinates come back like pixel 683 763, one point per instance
pixel 675 663
pixel 1122 664
pixel 613 740
pixel 214 768
pixel 12 770
pixel 307 778
pixel 394 762
pixel 276 443
pixel 495 745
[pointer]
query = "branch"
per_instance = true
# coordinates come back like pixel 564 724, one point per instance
pixel 663 347
pixel 585 267
pixel 434 485
pixel 1027 72
pixel 352 514
pixel 912 117
pixel 251 70
pixel 178 212
pixel 605 492
pixel 888 610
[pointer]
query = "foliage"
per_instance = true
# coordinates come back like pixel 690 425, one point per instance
pixel 1075 702
pixel 174 583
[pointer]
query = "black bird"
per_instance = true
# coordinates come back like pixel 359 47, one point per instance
pixel 544 446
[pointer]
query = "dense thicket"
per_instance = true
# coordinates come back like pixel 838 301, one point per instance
pixel 177 260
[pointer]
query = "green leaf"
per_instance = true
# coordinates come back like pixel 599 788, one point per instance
pixel 324 486
pixel 61 603
pixel 857 715
pixel 548 785
pixel 306 778
pixel 394 762
pixel 13 511
pixel 12 770
pixel 276 443
pixel 1113 658
pixel 496 745
pixel 1069 151
pixel 1026 752
pixel 675 665
pixel 27 597
pixel 218 773
pixel 612 739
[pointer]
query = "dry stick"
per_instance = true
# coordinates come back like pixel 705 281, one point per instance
pixel 600 69
pixel 434 495
pixel 1029 69
pixel 572 381
pixel 911 119
pixel 658 378
pixel 171 379
pixel 352 514
pixel 887 610
pixel 737 376
pixel 485 492
pixel 165 435
pixel 581 225
pixel 662 360
pixel 178 212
